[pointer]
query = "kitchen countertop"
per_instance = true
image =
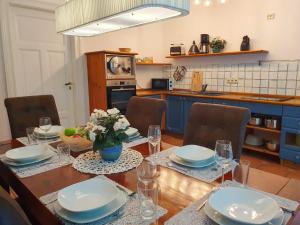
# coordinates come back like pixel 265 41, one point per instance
pixel 233 96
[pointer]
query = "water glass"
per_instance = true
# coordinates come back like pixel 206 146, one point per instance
pixel 63 152
pixel 240 173
pixel 45 123
pixel 154 137
pixel 147 172
pixel 223 154
pixel 148 199
pixel 32 140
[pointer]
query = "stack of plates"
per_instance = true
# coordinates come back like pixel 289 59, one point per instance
pixel 193 156
pixel 53 133
pixel 240 206
pixel 133 134
pixel 89 201
pixel 27 155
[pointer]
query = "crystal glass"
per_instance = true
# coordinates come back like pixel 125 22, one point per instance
pixel 45 123
pixel 32 140
pixel 147 172
pixel 154 137
pixel 63 152
pixel 223 154
pixel 240 172
pixel 148 199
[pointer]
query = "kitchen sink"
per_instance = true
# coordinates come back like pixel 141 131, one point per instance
pixel 273 99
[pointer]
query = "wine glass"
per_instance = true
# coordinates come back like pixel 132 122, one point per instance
pixel 223 154
pixel 154 137
pixel 45 124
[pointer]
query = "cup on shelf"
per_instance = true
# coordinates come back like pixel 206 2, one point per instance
pixel 240 173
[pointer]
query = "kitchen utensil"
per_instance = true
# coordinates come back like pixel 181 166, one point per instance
pixel 26 154
pixel 244 205
pixel 272 123
pixel 179 73
pixel 197 81
pixel 220 219
pixel 125 49
pixel 254 140
pixel 194 153
pixel 203 89
pixel 94 215
pixel 255 120
pixel 204 44
pixel 194 49
pixel 245 46
pixel 272 145
pixel 181 162
pixel 87 195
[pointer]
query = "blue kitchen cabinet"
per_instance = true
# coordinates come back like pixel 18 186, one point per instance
pixel 267 109
pixel 152 96
pixel 226 102
pixel 175 111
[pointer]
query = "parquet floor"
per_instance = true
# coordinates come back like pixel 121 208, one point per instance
pixel 258 161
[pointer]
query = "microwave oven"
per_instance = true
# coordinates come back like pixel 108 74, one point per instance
pixel 162 84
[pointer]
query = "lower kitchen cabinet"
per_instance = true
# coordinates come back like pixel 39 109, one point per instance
pixel 152 96
pixel 175 111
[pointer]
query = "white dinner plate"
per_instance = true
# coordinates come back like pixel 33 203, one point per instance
pixel 53 132
pixel 87 195
pixel 27 153
pixel 222 220
pixel 48 154
pixel 244 205
pixel 94 215
pixel 179 161
pixel 194 153
pixel 131 131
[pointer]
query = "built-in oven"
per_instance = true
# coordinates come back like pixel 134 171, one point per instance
pixel 119 92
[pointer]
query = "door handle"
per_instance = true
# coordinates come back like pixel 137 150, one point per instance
pixel 69 84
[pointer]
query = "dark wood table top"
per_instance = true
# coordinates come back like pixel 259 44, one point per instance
pixel 177 190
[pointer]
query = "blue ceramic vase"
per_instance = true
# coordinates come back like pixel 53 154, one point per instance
pixel 111 154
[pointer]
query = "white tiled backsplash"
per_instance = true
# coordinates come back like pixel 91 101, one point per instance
pixel 274 77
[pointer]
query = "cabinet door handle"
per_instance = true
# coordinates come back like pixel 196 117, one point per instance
pixel 297 157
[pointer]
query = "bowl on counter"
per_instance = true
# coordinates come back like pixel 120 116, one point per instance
pixel 254 140
pixel 125 50
pixel 272 145
pixel 271 123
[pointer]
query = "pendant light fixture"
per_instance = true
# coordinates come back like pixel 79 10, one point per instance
pixel 93 17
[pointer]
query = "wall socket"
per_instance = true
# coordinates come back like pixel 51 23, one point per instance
pixel 232 81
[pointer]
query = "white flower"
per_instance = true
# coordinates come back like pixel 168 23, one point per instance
pixel 99 128
pixel 124 121
pixel 121 124
pixel 92 136
pixel 117 126
pixel 97 114
pixel 113 111
pixel 89 126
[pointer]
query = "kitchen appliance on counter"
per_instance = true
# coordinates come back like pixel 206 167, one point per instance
pixel 204 44
pixel 162 84
pixel 120 66
pixel 119 92
pixel 177 49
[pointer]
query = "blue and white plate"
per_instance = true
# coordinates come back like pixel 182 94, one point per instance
pixel 179 161
pixel 194 153
pixel 94 215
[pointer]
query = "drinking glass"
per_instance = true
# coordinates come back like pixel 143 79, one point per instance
pixel 240 172
pixel 148 199
pixel 223 154
pixel 154 137
pixel 63 152
pixel 32 140
pixel 45 124
pixel 147 172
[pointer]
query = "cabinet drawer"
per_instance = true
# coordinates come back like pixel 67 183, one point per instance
pixel 226 102
pixel 291 111
pixel 290 122
pixel 152 96
pixel 291 155
pixel 267 109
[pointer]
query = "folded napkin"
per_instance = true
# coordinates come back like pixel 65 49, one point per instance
pixel 54 131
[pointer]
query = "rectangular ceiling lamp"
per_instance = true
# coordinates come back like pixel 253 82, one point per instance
pixel 93 17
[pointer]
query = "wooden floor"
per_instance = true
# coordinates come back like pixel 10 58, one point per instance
pixel 258 160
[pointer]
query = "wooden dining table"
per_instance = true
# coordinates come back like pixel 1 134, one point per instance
pixel 177 190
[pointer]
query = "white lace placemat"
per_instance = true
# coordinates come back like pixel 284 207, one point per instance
pixel 139 141
pixel 192 216
pixel 24 141
pixel 128 214
pixel 207 174
pixel 91 162
pixel 41 167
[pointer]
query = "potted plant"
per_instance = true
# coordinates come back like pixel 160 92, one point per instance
pixel 217 45
pixel 107 132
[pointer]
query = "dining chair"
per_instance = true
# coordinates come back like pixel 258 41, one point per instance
pixel 25 112
pixel 208 123
pixel 142 112
pixel 11 212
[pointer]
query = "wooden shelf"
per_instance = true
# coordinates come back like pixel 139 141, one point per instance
pixel 263 129
pixel 153 64
pixel 221 54
pixel 260 149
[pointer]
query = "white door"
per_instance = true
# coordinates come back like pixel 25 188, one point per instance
pixel 41 58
